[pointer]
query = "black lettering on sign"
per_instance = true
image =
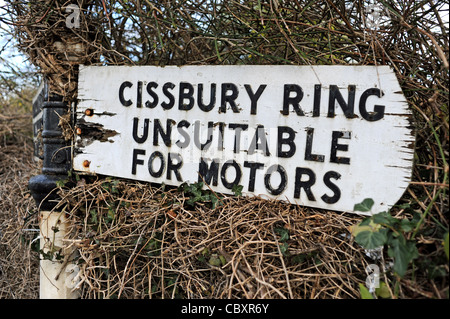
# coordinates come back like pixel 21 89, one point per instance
pixel 223 174
pixel 152 158
pixel 237 135
pixel 316 106
pixel 168 105
pixel 152 93
pixel 159 131
pixel 378 111
pixel 283 182
pixel 335 146
pixel 174 164
pixel 136 161
pixel 122 100
pixel 254 97
pixel 253 167
pixel 289 140
pixel 294 101
pixel 140 139
pixel 186 93
pixel 309 143
pixel 212 98
pixel 139 94
pixel 347 107
pixel 306 185
pixel 336 191
pixel 260 135
pixel 229 98
pixel 209 173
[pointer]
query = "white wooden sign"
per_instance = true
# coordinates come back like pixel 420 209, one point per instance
pixel 320 136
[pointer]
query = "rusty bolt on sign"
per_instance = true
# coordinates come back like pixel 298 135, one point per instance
pixel 89 112
pixel 86 163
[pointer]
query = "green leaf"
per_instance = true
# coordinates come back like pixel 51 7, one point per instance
pixel 298 259
pixel 403 252
pixel 407 225
pixel 114 187
pixel 371 239
pixel 384 218
pixel 446 244
pixel 284 248
pixel 365 225
pixel 214 201
pixel 223 260
pixel 61 183
pixel 367 221
pixel 365 294
pixel 283 232
pixel 364 206
pixel 237 190
pixel 205 251
pixel 93 218
pixel 214 260
pixel 111 214
pixel 383 290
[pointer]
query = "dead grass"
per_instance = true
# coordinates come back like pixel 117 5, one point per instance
pixel 19 264
pixel 138 241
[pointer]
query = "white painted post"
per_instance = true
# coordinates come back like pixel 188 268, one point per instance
pixel 58 277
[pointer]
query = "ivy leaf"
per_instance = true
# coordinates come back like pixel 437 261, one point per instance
pixel 214 260
pixel 110 215
pixel 371 239
pixel 61 183
pixel 214 201
pixel 237 190
pixel 94 218
pixel 383 290
pixel 365 225
pixel 284 248
pixel 407 225
pixel 384 218
pixel 364 206
pixel 365 294
pixel 403 252
pixel 283 232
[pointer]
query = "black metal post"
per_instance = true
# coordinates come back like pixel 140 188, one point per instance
pixel 56 153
